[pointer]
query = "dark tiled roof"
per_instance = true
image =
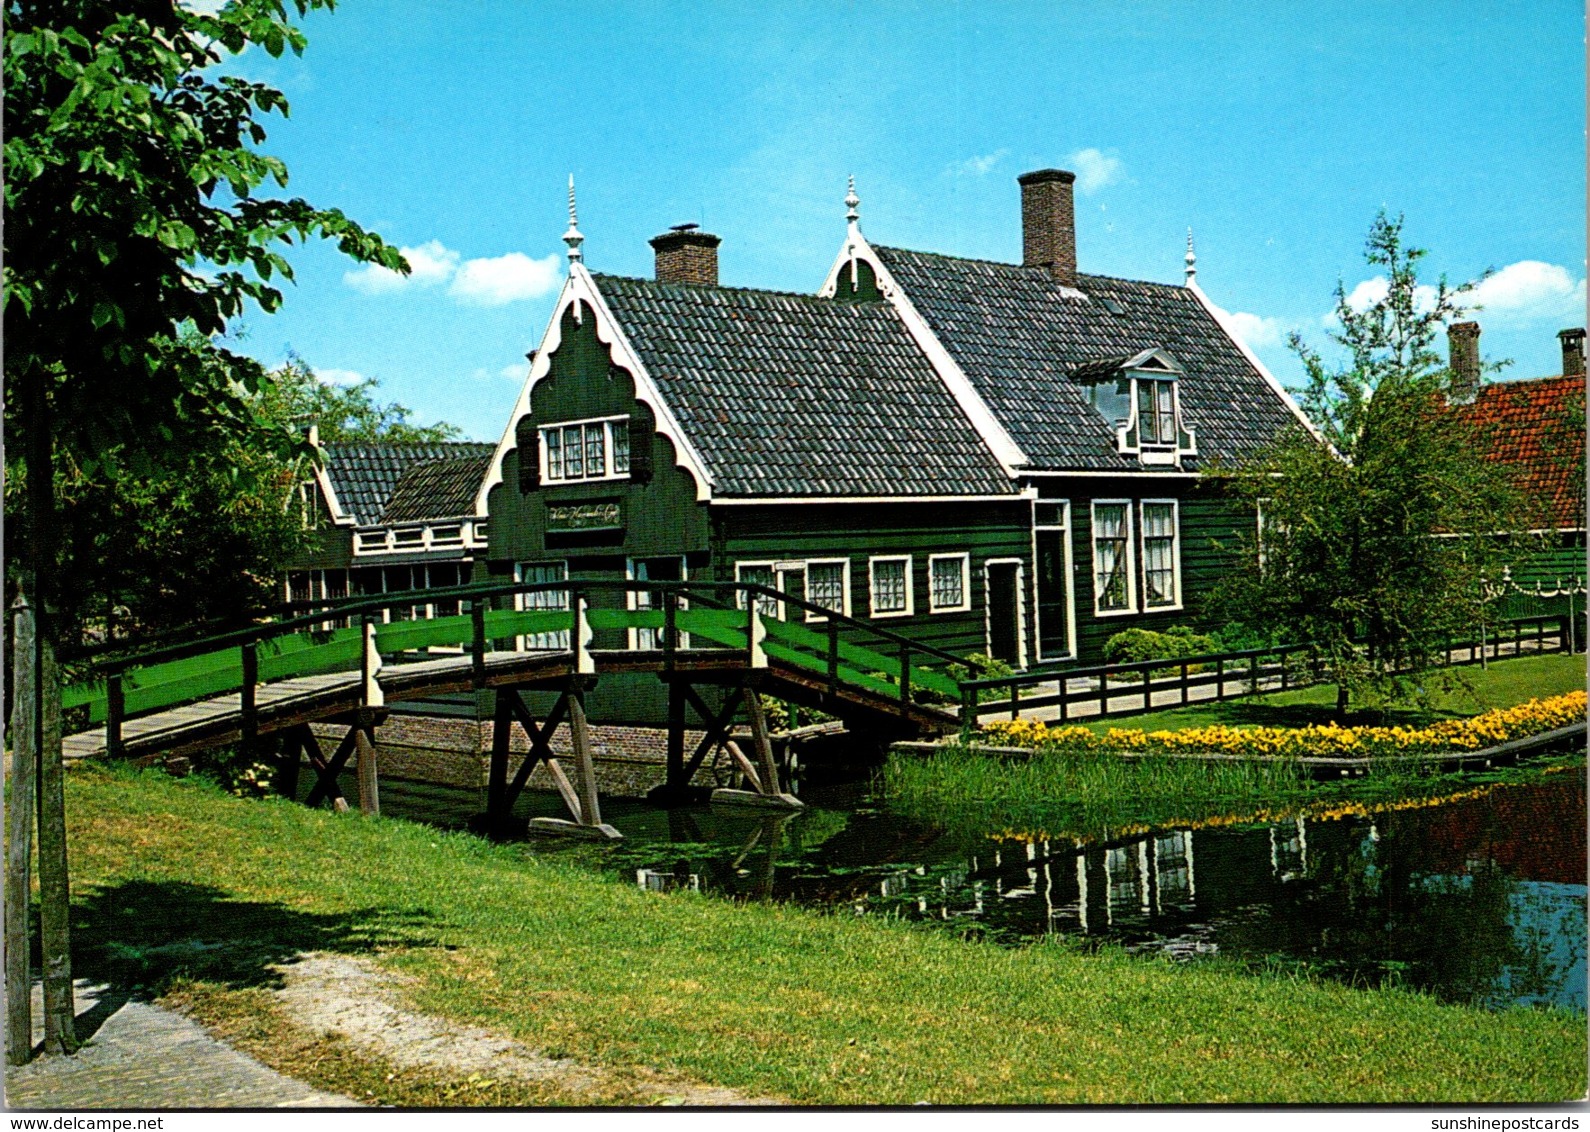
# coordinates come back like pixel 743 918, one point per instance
pixel 436 489
pixel 1539 427
pixel 363 475
pixel 796 395
pixel 1021 342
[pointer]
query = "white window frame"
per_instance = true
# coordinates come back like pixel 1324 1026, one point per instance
pixel 1068 555
pixel 1131 563
pixel 609 427
pixel 806 570
pixel 1175 554
pixel 872 592
pixel 965 560
pixel 632 600
pixel 561 642
pixel 771 565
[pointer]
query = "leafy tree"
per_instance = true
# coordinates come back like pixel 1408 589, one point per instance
pixel 136 208
pixel 294 396
pixel 1378 537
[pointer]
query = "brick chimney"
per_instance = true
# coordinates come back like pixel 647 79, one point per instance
pixel 1463 348
pixel 1572 351
pixel 1048 223
pixel 685 254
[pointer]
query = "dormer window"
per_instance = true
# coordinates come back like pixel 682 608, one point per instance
pixel 1139 396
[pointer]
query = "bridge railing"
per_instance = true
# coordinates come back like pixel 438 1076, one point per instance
pixel 349 636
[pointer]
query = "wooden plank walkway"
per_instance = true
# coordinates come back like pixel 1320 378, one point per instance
pixel 285 703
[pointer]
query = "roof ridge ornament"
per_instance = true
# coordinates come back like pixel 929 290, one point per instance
pixel 853 226
pixel 572 237
pixel 1192 260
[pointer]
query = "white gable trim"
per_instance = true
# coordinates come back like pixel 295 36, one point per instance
pixel 581 287
pixel 1223 320
pixel 339 517
pixel 999 441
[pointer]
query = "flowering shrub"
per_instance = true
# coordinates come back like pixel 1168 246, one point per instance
pixel 1473 734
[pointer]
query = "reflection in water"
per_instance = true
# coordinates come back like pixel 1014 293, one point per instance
pixel 1481 900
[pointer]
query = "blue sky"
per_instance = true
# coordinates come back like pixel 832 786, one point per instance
pixel 1274 131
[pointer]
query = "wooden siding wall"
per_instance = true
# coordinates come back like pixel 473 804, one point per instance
pixel 858 531
pixel 1205 520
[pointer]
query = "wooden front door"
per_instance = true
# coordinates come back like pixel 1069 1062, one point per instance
pixel 1004 611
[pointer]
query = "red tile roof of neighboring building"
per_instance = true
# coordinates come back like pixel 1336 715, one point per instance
pixel 1539 427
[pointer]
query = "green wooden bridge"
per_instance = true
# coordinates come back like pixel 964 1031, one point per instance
pixel 344 662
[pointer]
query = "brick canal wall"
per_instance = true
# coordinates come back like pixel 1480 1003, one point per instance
pixel 450 751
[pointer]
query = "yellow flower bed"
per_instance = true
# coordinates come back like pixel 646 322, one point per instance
pixel 1473 734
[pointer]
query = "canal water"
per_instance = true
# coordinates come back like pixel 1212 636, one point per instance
pixel 1479 900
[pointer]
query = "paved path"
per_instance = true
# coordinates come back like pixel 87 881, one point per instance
pixel 143 1057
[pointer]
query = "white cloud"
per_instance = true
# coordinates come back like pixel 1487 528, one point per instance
pixel 340 377
pixel 1094 170
pixel 1372 291
pixel 505 279
pixel 977 166
pixel 515 373
pixel 1256 331
pixel 429 264
pixel 1530 289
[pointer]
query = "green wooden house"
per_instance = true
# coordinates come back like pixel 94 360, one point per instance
pixel 988 457
pixel 390 517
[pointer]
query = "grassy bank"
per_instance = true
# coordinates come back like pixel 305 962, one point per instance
pixel 180 887
pixel 1453 692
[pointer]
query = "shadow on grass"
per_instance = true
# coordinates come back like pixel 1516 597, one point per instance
pixel 139 936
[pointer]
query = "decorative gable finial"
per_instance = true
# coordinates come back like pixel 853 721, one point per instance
pixel 1192 260
pixel 851 201
pixel 572 237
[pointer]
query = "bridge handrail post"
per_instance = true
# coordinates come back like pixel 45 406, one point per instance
pixel 248 696
pixel 670 628
pixel 968 713
pixel 115 713
pixel 833 656
pixel 755 633
pixel 369 664
pixel 905 674
pixel 584 663
pixel 477 648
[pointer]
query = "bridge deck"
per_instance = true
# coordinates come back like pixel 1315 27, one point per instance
pixel 285 703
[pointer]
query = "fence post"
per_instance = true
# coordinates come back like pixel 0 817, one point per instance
pixel 1220 678
pixel 905 673
pixel 1253 674
pixel 1185 674
pixel 115 713
pixel 1015 700
pixel 1148 687
pixel 968 712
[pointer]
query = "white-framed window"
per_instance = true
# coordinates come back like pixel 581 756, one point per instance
pixel 1113 591
pixel 1156 411
pixel 760 574
pixel 574 451
pixel 1161 554
pixel 889 585
pixel 828 585
pixel 557 571
pixel 949 583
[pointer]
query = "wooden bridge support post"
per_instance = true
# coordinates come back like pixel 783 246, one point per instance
pixel 369 776
pixel 677 779
pixel 498 802
pixel 580 737
pixel 287 762
pixel 765 780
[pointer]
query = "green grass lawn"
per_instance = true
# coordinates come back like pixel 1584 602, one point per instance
pixel 1462 691
pixel 181 888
